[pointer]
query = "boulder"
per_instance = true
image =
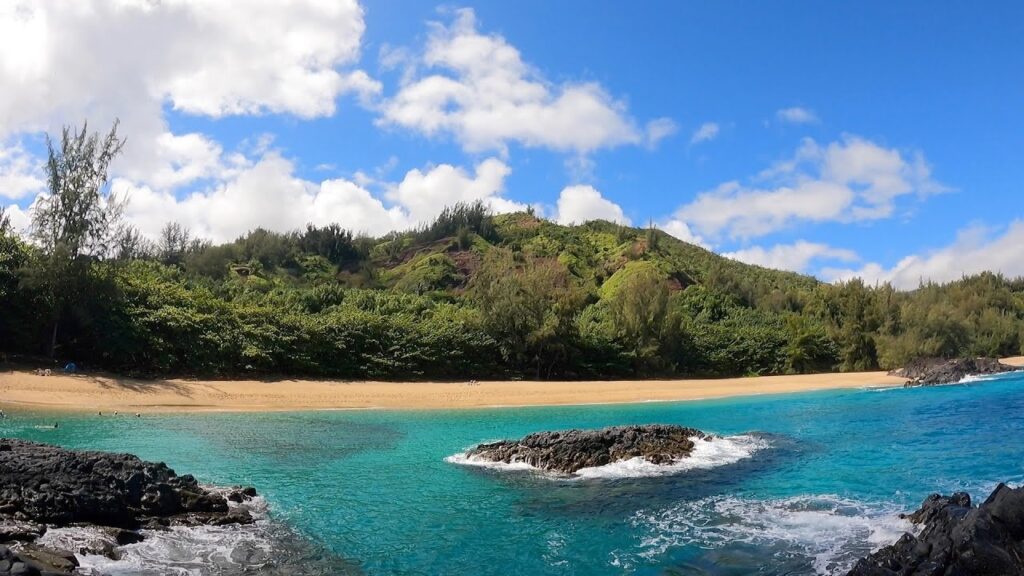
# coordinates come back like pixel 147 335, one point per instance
pixel 44 484
pixel 956 538
pixel 31 560
pixel 568 451
pixel 935 371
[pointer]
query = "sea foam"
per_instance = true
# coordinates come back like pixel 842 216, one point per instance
pixel 719 451
pixel 181 550
pixel 830 531
pixel 988 377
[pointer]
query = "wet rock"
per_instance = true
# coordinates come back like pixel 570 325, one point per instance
pixel 935 371
pixel 40 483
pixel 241 494
pixel 570 450
pixel 11 530
pixel 957 539
pixel 124 537
pixel 47 560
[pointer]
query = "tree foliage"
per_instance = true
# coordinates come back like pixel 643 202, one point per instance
pixel 76 222
pixel 468 295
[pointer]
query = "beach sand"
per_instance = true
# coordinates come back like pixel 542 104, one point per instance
pixel 83 392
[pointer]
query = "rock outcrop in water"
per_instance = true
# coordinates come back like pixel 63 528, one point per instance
pixel 568 451
pixel 43 485
pixel 935 371
pixel 957 538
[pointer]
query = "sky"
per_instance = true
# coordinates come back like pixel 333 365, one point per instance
pixel 874 139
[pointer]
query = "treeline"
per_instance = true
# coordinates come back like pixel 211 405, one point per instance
pixel 469 295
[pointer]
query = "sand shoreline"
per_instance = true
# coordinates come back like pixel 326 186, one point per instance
pixel 92 393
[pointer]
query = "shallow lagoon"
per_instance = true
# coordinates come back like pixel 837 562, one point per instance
pixel 373 487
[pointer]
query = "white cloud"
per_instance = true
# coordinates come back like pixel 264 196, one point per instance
pixel 21 219
pixel 582 203
pixel 479 90
pixel 425 194
pixel 659 129
pixel 266 193
pixel 850 180
pixel 179 160
pixel 21 174
pixel 67 60
pixel 682 231
pixel 796 257
pixel 796 115
pixel 975 250
pixel 708 131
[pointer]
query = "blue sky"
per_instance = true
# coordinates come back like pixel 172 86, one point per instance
pixel 876 139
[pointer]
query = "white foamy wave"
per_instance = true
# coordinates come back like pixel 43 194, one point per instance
pixel 830 531
pixel 988 377
pixel 179 550
pixel 718 451
pixel 464 459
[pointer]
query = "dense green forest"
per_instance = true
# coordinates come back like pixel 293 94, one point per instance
pixel 470 295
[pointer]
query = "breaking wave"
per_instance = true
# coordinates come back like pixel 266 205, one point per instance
pixel 264 547
pixel 826 533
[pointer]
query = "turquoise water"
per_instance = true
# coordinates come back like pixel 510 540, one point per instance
pixel 374 487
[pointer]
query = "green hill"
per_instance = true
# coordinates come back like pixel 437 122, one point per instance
pixel 474 295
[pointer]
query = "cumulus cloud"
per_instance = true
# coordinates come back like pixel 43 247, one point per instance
pixel 796 115
pixel 20 218
pixel 21 173
pixel 67 60
pixel 266 193
pixel 423 194
pixel 204 57
pixel 850 180
pixel 796 257
pixel 707 131
pixel 582 203
pixel 477 88
pixel 976 250
pixel 682 231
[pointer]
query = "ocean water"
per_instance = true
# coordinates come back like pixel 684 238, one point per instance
pixel 800 484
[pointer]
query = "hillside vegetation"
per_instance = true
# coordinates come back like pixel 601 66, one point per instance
pixel 470 295
pixel 475 295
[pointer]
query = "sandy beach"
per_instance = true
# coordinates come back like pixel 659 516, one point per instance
pixel 83 392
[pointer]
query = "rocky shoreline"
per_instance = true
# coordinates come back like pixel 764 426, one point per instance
pixel 568 451
pixel 44 486
pixel 956 538
pixel 938 371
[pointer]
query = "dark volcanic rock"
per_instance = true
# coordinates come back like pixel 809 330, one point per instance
pixel 934 371
pixel 20 531
pixel 31 560
pixel 957 539
pixel 570 450
pixel 46 484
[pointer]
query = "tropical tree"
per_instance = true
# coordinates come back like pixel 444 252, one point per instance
pixel 637 298
pixel 529 308
pixel 76 221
